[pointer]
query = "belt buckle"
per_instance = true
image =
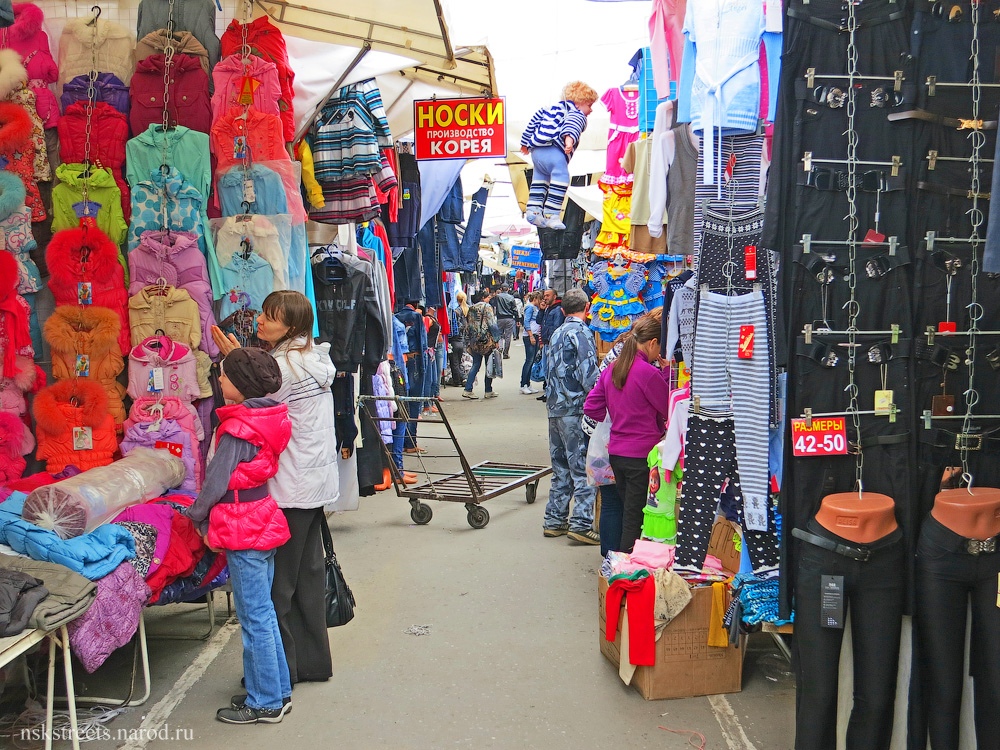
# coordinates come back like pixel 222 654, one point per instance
pixel 952 361
pixel 821 178
pixel 876 267
pixel 853 447
pixel 993 359
pixel 873 181
pixel 970 124
pixel 879 354
pixel 968 441
pixel 836 98
pixel 879 97
pixel 981 196
pixel 826 276
pixel 861 554
pixel 981 546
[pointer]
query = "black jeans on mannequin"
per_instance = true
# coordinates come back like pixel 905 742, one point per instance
pixel 947 577
pixel 873 594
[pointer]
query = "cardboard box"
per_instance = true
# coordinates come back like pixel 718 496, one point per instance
pixel 686 666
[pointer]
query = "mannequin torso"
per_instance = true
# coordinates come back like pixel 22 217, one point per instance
pixel 862 519
pixel 974 515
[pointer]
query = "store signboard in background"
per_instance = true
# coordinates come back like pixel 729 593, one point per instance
pixel 528 258
pixel 459 128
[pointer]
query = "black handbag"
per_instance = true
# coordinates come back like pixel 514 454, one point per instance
pixel 339 597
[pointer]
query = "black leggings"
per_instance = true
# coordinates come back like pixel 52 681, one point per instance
pixel 947 576
pixel 873 594
pixel 455 362
pixel 632 479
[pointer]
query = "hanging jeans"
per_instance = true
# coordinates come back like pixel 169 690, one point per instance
pixel 264 667
pixel 549 180
pixel 722 371
pixel 568 450
pixel 431 263
pixel 468 250
pixel 470 381
pixel 632 486
pixel 529 360
pixel 948 575
pixel 873 595
pixel 415 377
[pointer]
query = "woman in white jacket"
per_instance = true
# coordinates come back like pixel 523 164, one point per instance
pixel 306 480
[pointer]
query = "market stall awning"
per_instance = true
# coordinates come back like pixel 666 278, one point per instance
pixel 411 28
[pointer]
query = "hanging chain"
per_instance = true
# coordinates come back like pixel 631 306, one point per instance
pixel 91 101
pixel 977 218
pixel 853 306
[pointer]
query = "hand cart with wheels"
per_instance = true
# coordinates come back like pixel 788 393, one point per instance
pixel 473 485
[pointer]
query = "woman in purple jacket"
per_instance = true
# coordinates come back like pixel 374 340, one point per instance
pixel 635 393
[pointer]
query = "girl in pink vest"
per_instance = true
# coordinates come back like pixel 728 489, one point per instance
pixel 236 513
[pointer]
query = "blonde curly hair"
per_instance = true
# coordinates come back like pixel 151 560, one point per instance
pixel 579 93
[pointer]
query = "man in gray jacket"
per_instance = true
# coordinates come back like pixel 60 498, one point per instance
pixel 505 307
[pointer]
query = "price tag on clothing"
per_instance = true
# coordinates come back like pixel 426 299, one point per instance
pixel 240 148
pixel 947 326
pixel 83 439
pixel 730 168
pixel 827 436
pixel 750 261
pixel 831 597
pixel 873 238
pixel 249 192
pixel 84 293
pixel 176 449
pixel 155 379
pixel 82 369
pixel 883 401
pixel 745 350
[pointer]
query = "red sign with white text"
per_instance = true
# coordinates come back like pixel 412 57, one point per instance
pixel 827 436
pixel 459 128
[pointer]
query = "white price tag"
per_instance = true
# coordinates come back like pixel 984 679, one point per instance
pixel 156 379
pixel 249 193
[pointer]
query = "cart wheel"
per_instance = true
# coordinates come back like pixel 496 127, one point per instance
pixel 530 490
pixel 479 517
pixel 421 513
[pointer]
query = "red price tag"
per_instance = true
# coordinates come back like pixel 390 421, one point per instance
pixel 947 326
pixel 827 436
pixel 750 261
pixel 730 167
pixel 745 350
pixel 176 449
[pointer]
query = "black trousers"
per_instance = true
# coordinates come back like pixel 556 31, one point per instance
pixel 948 578
pixel 873 595
pixel 632 479
pixel 298 595
pixel 455 362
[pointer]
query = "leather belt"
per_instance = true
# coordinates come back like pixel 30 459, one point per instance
pixel 837 180
pixel 959 123
pixel 861 553
pixel 972 441
pixel 938 354
pixel 800 15
pixel 933 187
pixel 834 95
pixel 246 496
pixel 875 353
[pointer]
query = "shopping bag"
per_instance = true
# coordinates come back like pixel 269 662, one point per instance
pixel 599 471
pixel 538 368
pixel 494 364
pixel 339 597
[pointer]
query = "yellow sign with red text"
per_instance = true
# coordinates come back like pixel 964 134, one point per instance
pixel 459 128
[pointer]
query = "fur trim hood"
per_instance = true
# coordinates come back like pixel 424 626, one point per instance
pixel 12 73
pixel 63 255
pixel 28 19
pixel 50 402
pixel 12 193
pixel 15 127
pixel 12 437
pixel 66 324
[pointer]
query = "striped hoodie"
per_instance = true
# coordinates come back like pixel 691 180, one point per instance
pixel 549 125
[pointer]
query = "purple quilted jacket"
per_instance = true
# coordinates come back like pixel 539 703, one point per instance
pixel 168 431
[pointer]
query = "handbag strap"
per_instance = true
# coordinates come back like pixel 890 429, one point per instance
pixel 327 539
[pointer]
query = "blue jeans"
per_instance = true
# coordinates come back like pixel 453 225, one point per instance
pixel 439 359
pixel 568 450
pixel 415 376
pixel 529 360
pixel 612 512
pixel 264 667
pixel 477 362
pixel 398 437
pixel 549 180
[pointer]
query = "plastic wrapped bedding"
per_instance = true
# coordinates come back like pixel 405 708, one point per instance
pixel 80 504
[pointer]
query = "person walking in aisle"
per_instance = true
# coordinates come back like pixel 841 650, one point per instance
pixel 505 307
pixel 532 329
pixel 482 335
pixel 252 433
pixel 459 324
pixel 432 379
pixel 307 478
pixel 572 373
pixel 635 391
pixel 549 319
